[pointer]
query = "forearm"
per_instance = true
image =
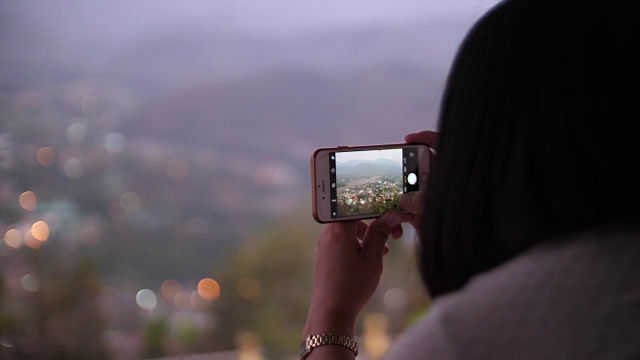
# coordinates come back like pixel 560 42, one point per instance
pixel 347 272
pixel 321 320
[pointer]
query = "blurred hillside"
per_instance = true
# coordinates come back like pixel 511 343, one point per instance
pixel 286 112
pixel 243 107
pixel 143 159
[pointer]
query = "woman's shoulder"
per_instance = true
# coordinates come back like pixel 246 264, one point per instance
pixel 575 298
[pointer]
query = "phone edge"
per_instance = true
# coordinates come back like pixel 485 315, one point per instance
pixel 358 147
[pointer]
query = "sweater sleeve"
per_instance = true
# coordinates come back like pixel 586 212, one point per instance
pixel 428 339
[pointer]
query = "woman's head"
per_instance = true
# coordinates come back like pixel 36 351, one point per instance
pixel 537 135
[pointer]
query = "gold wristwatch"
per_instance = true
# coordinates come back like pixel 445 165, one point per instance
pixel 313 341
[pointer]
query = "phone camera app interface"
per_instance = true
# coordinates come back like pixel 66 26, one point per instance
pixel 367 182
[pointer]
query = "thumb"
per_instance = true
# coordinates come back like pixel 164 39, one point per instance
pixel 378 232
pixel 407 202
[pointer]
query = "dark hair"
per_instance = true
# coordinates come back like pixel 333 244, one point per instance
pixel 538 135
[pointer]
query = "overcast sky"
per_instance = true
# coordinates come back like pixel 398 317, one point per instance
pixel 87 34
pixel 78 17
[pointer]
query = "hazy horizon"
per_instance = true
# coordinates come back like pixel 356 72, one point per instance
pixel 74 25
pixel 394 155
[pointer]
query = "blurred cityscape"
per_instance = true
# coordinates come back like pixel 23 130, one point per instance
pixel 154 175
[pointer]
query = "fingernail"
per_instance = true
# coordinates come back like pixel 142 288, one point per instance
pixel 393 219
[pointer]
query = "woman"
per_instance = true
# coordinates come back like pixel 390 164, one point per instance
pixel 530 230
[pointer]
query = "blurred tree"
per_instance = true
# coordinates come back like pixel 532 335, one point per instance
pixel 154 336
pixel 266 284
pixel 188 337
pixel 59 312
pixel 8 322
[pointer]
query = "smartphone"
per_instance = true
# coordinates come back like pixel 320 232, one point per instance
pixel 362 182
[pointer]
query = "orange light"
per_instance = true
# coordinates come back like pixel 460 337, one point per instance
pixel 31 241
pixel 40 230
pixel 28 200
pixel 209 289
pixel 13 238
pixel 46 156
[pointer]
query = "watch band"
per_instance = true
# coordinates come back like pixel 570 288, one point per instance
pixel 313 341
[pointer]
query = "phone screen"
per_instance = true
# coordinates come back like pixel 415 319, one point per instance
pixel 367 182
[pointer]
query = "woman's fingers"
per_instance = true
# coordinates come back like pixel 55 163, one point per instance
pixel 424 137
pixel 378 232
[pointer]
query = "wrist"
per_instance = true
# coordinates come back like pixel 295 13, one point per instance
pixel 319 322
pixel 329 346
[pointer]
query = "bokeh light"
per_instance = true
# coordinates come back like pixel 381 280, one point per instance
pixel 375 339
pixel 13 238
pixel 130 202
pixel 114 142
pixel 249 289
pixel 6 159
pixel 28 200
pixel 170 289
pixel 146 299
pixel 40 230
pixel 46 156
pixel 76 133
pixel 30 283
pixel 31 241
pixel 209 289
pixel 68 154
pixel 395 299
pixel 248 345
pixel 73 168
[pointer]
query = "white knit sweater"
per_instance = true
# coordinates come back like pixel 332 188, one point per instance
pixel 579 299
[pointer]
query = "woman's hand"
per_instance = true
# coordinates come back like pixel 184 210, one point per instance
pixel 348 265
pixel 412 203
pixel 347 271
